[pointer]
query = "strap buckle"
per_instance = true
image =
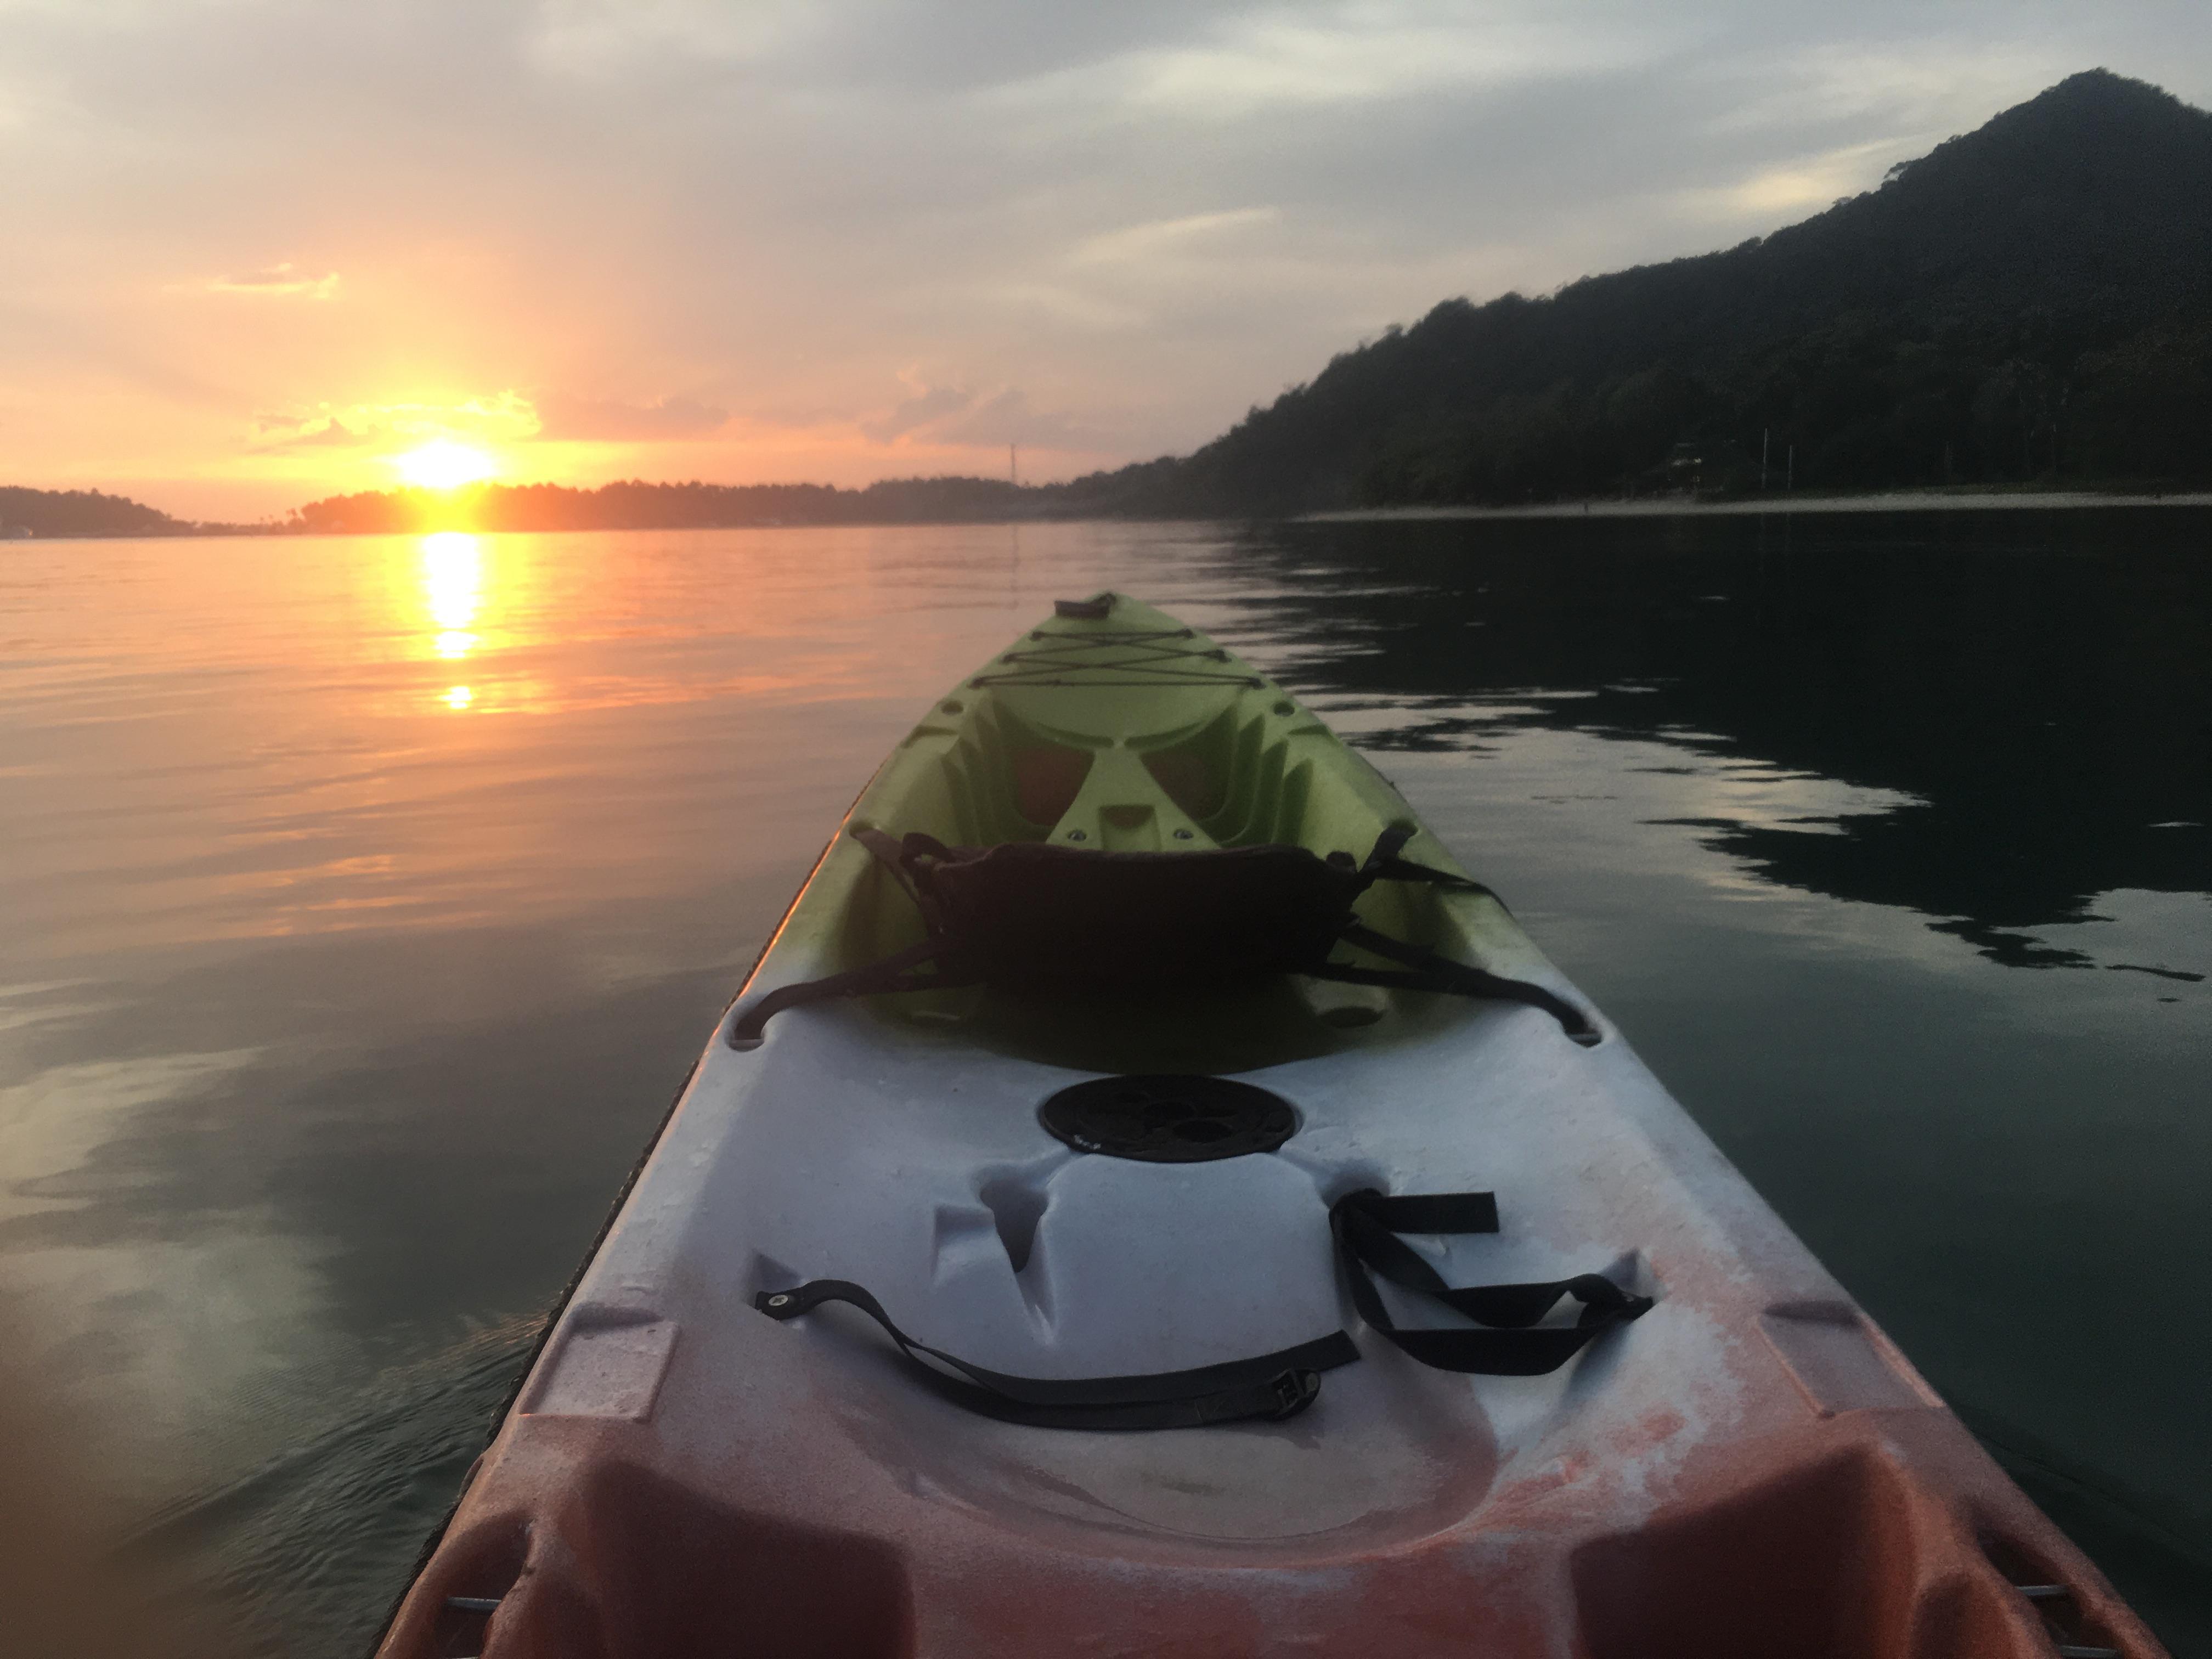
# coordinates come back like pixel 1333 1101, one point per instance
pixel 1293 1391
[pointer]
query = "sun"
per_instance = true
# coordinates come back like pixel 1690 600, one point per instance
pixel 441 464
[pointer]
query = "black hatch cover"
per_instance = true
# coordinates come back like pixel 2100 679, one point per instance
pixel 1168 1118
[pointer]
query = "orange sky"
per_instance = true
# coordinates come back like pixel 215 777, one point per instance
pixel 253 251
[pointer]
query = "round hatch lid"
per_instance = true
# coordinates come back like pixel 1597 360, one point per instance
pixel 1168 1118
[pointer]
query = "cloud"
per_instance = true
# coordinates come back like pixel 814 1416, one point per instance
pixel 322 435
pixel 277 282
pixel 956 417
pixel 1805 184
pixel 1273 61
pixel 1005 417
pixel 502 417
pixel 1286 56
pixel 1914 85
pixel 1192 232
pixel 563 418
pixel 601 39
pixel 926 406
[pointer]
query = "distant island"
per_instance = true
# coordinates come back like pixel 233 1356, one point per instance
pixel 84 512
pixel 2026 306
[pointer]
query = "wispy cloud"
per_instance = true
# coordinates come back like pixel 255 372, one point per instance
pixel 959 417
pixel 277 282
pixel 603 40
pixel 1916 85
pixel 1193 232
pixel 1006 417
pixel 329 433
pixel 1804 185
pixel 924 406
pixel 505 417
pixel 1252 61
pixel 564 418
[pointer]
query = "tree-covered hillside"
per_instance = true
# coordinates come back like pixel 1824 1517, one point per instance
pixel 80 512
pixel 634 505
pixel 2033 301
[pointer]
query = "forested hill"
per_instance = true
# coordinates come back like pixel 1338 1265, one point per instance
pixel 2030 300
pixel 634 505
pixel 80 513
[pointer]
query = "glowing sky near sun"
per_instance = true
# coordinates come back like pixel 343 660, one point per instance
pixel 263 251
pixel 441 464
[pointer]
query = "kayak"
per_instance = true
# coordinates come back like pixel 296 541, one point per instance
pixel 1149 1199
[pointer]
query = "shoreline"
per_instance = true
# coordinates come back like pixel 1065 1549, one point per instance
pixel 1656 507
pixel 1900 501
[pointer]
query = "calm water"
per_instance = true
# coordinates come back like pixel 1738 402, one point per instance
pixel 362 902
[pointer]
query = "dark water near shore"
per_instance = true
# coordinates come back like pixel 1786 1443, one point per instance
pixel 362 902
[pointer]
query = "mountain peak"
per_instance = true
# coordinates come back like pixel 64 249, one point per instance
pixel 2097 109
pixel 2110 144
pixel 2100 88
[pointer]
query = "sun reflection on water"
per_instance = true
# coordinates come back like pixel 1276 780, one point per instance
pixel 452 590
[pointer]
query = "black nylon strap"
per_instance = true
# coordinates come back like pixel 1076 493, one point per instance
pixel 1388 846
pixel 1392 868
pixel 893 854
pixel 1430 1212
pixel 1427 971
pixel 898 856
pixel 908 858
pixel 1271 1386
pixel 1384 864
pixel 889 975
pixel 1366 1223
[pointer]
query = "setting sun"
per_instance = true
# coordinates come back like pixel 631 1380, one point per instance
pixel 442 463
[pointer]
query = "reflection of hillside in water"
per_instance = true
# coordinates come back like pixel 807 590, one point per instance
pixel 2038 685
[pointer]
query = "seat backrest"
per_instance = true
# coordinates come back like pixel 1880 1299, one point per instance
pixel 1031 913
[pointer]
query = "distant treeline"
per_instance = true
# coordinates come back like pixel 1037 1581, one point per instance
pixel 80 513
pixel 634 505
pixel 2030 302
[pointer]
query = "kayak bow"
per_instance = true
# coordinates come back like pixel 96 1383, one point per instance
pixel 1149 1199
